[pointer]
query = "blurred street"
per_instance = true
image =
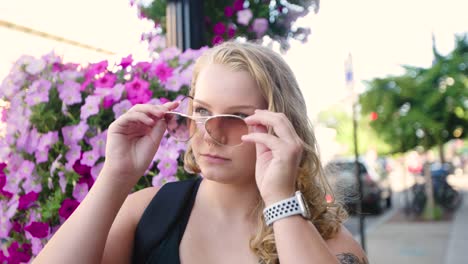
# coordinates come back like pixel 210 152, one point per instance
pixel 394 238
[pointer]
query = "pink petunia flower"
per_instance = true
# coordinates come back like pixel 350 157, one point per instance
pixel 244 16
pixel 219 28
pixel 68 207
pixel 238 5
pixel 260 26
pixel 163 71
pixel 120 108
pixel 91 107
pixel 38 229
pixel 27 200
pixel 217 39
pixel 70 92
pixel 80 191
pixel 228 11
pixel 106 81
pixel 127 61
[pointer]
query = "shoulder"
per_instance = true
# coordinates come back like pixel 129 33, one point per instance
pixel 137 202
pixel 346 248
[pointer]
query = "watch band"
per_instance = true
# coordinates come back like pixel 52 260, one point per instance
pixel 281 209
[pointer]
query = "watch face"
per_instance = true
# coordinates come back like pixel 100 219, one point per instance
pixel 303 205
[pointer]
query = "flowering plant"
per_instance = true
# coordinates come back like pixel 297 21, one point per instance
pixel 227 19
pixel 55 137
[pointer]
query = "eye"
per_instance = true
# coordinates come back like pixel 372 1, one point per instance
pixel 201 111
pixel 241 115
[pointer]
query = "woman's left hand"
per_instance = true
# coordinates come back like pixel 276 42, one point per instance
pixel 278 156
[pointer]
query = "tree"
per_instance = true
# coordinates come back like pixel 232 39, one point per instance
pixel 424 106
pixel 338 119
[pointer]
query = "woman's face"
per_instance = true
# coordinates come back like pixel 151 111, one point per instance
pixel 219 90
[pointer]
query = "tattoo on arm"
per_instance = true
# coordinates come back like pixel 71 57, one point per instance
pixel 349 258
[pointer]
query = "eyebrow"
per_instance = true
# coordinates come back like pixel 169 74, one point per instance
pixel 229 108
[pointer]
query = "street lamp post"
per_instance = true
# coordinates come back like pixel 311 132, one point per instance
pixel 350 84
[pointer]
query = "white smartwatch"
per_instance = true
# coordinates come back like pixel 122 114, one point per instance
pixel 295 205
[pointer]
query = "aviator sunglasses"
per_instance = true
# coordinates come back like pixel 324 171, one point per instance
pixel 224 129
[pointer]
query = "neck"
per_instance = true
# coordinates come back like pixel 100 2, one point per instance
pixel 229 201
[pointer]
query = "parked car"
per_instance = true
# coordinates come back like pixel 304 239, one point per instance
pixel 377 192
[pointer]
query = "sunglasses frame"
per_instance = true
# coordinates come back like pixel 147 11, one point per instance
pixel 202 120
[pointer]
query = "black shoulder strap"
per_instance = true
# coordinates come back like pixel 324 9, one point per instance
pixel 160 216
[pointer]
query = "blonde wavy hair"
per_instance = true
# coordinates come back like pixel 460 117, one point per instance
pixel 282 94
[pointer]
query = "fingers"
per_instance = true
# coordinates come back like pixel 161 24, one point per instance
pixel 145 114
pixel 154 110
pixel 278 121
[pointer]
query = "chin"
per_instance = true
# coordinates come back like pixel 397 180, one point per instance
pixel 217 175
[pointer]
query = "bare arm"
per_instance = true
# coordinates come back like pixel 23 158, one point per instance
pixel 85 232
pixel 298 241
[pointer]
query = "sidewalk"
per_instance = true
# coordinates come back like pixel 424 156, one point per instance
pixel 401 241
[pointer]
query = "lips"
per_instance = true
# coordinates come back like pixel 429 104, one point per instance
pixel 214 156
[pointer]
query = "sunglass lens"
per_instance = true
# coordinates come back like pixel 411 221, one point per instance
pixel 227 130
pixel 178 126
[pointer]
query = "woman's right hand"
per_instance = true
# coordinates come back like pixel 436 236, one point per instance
pixel 132 141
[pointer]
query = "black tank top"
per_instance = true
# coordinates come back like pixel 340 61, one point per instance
pixel 162 225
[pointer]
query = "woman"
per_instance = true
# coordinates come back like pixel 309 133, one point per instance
pixel 237 212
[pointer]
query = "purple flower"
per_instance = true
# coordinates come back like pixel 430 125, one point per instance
pixel 138 91
pixel 35 66
pixel 69 92
pixel 244 17
pixel 70 75
pixel 135 86
pixel 169 53
pixel 38 92
pixel 48 140
pixel 157 43
pixel 62 181
pixel 96 170
pixel 81 169
pixel 98 143
pixel 41 155
pixel 38 229
pixel 27 200
pixel 122 107
pixel 217 39
pixel 67 133
pixel 173 84
pixel 260 26
pixel 96 68
pixel 117 91
pixel 25 170
pixel 67 208
pixel 33 140
pixel 91 107
pixel 30 184
pixel 106 81
pixel 127 61
pixel 80 130
pixel 228 11
pixel 219 28
pixel 90 157
pixel 167 167
pixel 163 72
pixel 80 191
pixel 238 5
pixel 231 31
pixel 84 85
pixel 36 246
pixel 143 66
pixel 18 255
